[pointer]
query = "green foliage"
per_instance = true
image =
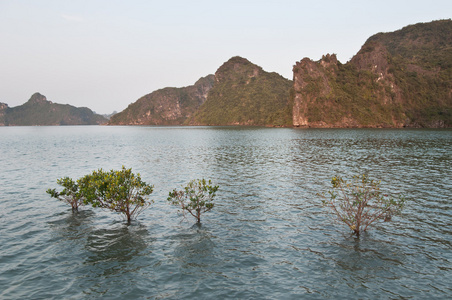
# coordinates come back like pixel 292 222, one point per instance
pixel 70 194
pixel 196 197
pixel 424 44
pixel 360 203
pixel 120 191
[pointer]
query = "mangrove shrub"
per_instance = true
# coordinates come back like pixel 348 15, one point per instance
pixel 70 194
pixel 196 198
pixel 120 191
pixel 360 203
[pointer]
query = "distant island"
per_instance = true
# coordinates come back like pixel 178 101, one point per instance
pixel 38 111
pixel 397 79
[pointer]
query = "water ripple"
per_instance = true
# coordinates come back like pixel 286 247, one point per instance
pixel 268 236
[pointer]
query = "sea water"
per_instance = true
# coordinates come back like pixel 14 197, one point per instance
pixel 268 236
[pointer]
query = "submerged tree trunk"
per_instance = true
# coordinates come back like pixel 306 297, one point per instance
pixel 127 212
pixel 198 215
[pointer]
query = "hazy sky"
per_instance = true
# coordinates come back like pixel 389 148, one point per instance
pixel 105 54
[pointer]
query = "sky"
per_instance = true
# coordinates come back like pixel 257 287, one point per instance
pixel 106 54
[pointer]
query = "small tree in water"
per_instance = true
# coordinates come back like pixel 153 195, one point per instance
pixel 120 191
pixel 360 203
pixel 70 194
pixel 196 197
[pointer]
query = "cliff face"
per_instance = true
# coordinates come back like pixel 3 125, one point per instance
pixel 168 106
pixel 398 79
pixel 311 83
pixel 330 94
pixel 244 94
pixel 38 111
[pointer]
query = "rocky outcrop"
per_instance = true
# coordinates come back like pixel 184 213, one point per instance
pixel 329 94
pixel 168 106
pixel 38 99
pixel 311 83
pixel 237 68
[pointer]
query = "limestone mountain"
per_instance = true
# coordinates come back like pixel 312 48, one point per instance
pixel 397 79
pixel 245 94
pixel 38 111
pixel 168 106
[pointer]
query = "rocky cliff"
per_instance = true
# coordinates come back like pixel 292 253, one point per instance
pixel 245 94
pixel 168 106
pixel 398 79
pixel 38 111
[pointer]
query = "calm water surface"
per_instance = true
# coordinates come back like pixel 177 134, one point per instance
pixel 267 237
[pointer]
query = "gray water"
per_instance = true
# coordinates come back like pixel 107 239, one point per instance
pixel 267 237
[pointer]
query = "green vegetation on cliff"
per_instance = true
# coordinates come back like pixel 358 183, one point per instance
pixel 39 112
pixel 403 78
pixel 421 64
pixel 244 94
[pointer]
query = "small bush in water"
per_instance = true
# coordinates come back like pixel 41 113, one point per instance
pixel 120 191
pixel 195 198
pixel 360 203
pixel 70 194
